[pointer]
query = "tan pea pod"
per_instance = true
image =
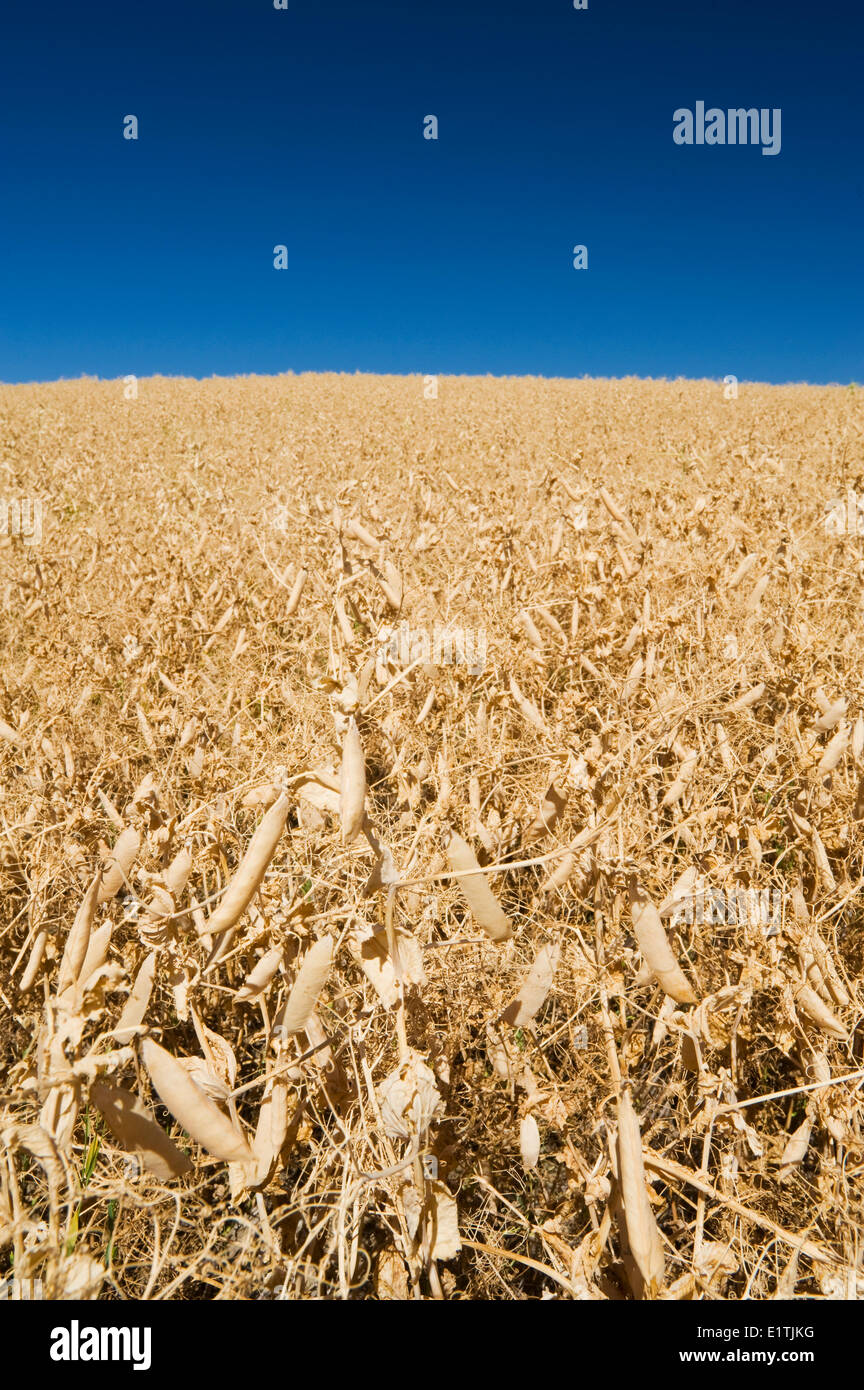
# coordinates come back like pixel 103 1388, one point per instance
pixel 311 979
pixel 294 596
pixel 37 955
pixel 136 1128
pixel 750 697
pixel 198 1115
pixel 834 752
pixel 136 1005
pixel 484 906
pixel 643 1236
pixel 75 950
pixel 251 869
pixel 529 1143
pixel 830 716
pixel 547 817
pixel 177 873
pixel 352 784
pixel 676 789
pixel 796 1148
pixel 527 708
pixel 819 1013
pixel 270 1134
pixel 119 863
pixel 534 989
pixel 526 622
pixel 97 952
pixel 259 978
pixel 654 945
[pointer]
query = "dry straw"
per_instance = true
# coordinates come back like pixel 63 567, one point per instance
pixel 309 1019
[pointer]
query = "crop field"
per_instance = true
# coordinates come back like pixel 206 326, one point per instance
pixel 431 839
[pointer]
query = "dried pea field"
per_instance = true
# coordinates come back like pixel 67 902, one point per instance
pixel 391 793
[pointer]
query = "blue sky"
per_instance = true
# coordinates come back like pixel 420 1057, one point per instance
pixel 304 127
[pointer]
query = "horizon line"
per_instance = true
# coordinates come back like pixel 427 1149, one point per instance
pixel 91 378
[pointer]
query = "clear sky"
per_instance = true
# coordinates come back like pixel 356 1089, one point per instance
pixel 303 127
